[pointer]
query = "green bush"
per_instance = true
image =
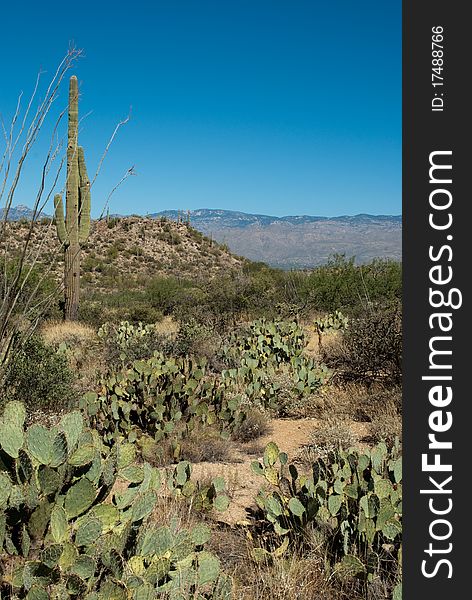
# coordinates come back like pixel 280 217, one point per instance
pixel 32 283
pixel 38 376
pixel 165 293
pixel 196 339
pixel 371 347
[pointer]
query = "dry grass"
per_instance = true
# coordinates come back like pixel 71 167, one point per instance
pixel 252 448
pixel 206 445
pixel 329 341
pixel 254 426
pixel 201 445
pixel 167 327
pixel 169 508
pixel 386 424
pixel 343 402
pixel 82 350
pixel 333 434
pixel 289 578
pixel 55 333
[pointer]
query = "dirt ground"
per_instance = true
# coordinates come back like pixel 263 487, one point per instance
pixel 290 435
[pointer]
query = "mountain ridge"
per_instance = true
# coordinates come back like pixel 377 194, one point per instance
pixel 292 241
pixel 229 218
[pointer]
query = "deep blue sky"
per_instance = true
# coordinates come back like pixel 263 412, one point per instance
pixel 270 106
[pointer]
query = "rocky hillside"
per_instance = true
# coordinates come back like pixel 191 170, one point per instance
pixel 131 250
pixel 299 241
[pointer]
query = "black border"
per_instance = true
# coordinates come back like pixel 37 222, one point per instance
pixel 425 131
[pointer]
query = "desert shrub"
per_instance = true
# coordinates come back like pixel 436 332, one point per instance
pixel 40 377
pixel 383 408
pixel 387 426
pixel 121 305
pixel 371 347
pixel 91 313
pixel 254 426
pixel 204 445
pixel 197 339
pixel 341 284
pixel 333 434
pixel 33 282
pixel 112 222
pixel 165 293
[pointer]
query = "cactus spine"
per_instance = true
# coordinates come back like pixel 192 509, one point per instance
pixel 73 230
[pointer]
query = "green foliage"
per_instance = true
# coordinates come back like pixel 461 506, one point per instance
pixel 39 376
pixel 165 293
pixel 202 497
pixel 195 339
pixel 356 497
pixel 160 396
pixel 268 342
pixel 126 342
pixel 371 347
pixel 65 540
pixel 264 349
pixel 343 285
pixel 33 282
pixel 223 301
pixel 331 322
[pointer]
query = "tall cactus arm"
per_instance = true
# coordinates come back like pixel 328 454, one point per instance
pixel 84 198
pixel 72 183
pixel 59 218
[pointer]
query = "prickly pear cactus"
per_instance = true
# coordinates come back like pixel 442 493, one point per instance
pixel 161 396
pixel 265 349
pixel 357 496
pixel 332 322
pixel 67 534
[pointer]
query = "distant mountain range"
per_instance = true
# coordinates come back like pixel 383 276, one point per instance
pixel 299 241
pixel 21 211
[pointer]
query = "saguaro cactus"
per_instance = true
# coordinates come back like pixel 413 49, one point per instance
pixel 73 230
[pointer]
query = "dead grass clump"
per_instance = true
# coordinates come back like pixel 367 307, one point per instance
pixel 343 401
pixel 334 434
pixel 291 577
pixel 387 425
pixel 80 346
pixel 253 449
pixel 71 333
pixel 231 545
pixel 167 327
pixel 169 508
pixel 205 445
pixel 255 425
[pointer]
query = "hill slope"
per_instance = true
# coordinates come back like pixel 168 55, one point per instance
pixel 298 241
pixel 131 250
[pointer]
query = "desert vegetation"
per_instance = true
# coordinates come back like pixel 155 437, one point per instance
pixel 199 426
